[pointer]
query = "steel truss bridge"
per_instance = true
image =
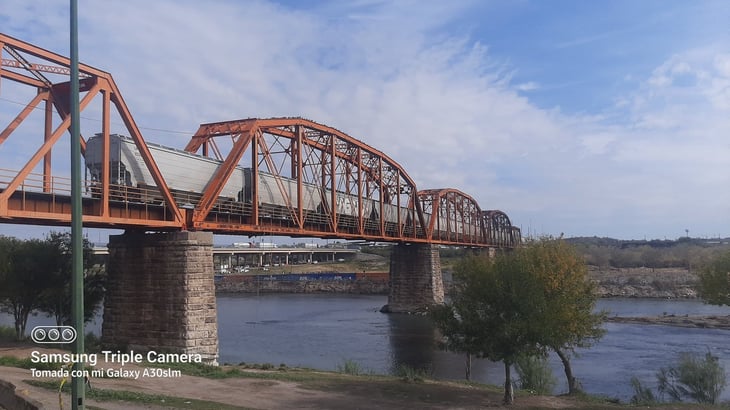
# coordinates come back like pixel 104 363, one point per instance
pixel 305 179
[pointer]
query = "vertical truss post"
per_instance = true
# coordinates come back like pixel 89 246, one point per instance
pixel 333 181
pixel 47 130
pixel 106 148
pixel 298 156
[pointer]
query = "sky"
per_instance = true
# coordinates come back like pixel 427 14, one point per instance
pixel 607 118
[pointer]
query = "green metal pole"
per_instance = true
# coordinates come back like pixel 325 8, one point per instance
pixel 77 276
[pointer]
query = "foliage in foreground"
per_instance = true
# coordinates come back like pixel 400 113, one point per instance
pixel 694 377
pixel 350 367
pixel 410 374
pixel 643 396
pixel 701 379
pixel 535 374
pixel 524 302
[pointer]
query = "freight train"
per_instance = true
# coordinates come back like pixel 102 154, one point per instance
pixel 188 174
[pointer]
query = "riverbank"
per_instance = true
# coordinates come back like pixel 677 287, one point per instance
pixel 701 322
pixel 238 387
pixel 610 282
pixel 370 283
pixel 667 283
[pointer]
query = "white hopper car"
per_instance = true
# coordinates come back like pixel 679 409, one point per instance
pixel 188 175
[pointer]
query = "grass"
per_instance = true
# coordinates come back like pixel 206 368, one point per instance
pixel 350 367
pixel 136 397
pixel 7 334
pixel 11 361
pixel 409 374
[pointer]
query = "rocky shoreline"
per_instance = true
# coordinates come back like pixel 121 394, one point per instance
pixel 610 283
pixel 359 287
pixel 669 283
pixel 703 322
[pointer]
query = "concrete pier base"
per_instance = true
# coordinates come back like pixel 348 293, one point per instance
pixel 160 294
pixel 415 278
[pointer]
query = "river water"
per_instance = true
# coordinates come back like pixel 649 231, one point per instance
pixel 324 331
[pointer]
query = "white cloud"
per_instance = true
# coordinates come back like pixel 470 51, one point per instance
pixel 528 86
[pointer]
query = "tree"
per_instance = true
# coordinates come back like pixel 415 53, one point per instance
pixel 568 319
pixel 27 265
pixel 460 337
pixel 714 285
pixel 491 314
pixel 56 301
pixel 522 302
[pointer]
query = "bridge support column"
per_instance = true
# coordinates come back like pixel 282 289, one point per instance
pixel 160 294
pixel 415 278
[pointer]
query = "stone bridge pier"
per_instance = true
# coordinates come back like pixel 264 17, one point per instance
pixel 415 278
pixel 160 294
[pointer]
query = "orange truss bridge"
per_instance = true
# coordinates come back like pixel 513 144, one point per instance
pixel 280 176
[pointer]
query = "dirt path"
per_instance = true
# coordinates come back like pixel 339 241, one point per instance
pixel 349 392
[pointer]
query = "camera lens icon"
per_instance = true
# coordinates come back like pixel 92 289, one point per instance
pixel 53 334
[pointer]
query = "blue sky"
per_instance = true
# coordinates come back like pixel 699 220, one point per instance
pixel 585 118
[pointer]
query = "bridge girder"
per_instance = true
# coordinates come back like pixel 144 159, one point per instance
pixel 354 178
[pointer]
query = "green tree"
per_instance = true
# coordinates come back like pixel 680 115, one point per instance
pixel 56 301
pixel 25 271
pixel 714 284
pixel 568 320
pixel 524 302
pixel 491 314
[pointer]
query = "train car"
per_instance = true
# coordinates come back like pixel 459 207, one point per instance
pixel 127 167
pixel 188 181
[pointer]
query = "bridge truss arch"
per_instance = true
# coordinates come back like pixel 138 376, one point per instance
pixel 451 216
pixel 308 179
pixel 499 230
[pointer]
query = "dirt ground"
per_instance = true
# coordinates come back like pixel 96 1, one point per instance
pixel 345 392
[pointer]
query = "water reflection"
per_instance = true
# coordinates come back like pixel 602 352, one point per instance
pixel 412 342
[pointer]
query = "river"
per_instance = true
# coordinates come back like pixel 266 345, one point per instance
pixel 324 331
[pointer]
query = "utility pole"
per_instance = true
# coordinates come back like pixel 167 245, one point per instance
pixel 78 392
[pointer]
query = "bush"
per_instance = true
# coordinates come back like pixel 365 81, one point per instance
pixel 350 367
pixel 7 334
pixel 409 374
pixel 535 374
pixel 694 377
pixel 642 395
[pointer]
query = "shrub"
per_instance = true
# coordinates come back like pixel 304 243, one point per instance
pixel 350 367
pixel 535 374
pixel 7 334
pixel 409 374
pixel 642 395
pixel 694 377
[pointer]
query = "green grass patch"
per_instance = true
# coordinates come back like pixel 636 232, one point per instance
pixel 7 334
pixel 350 367
pixel 26 363
pixel 136 397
